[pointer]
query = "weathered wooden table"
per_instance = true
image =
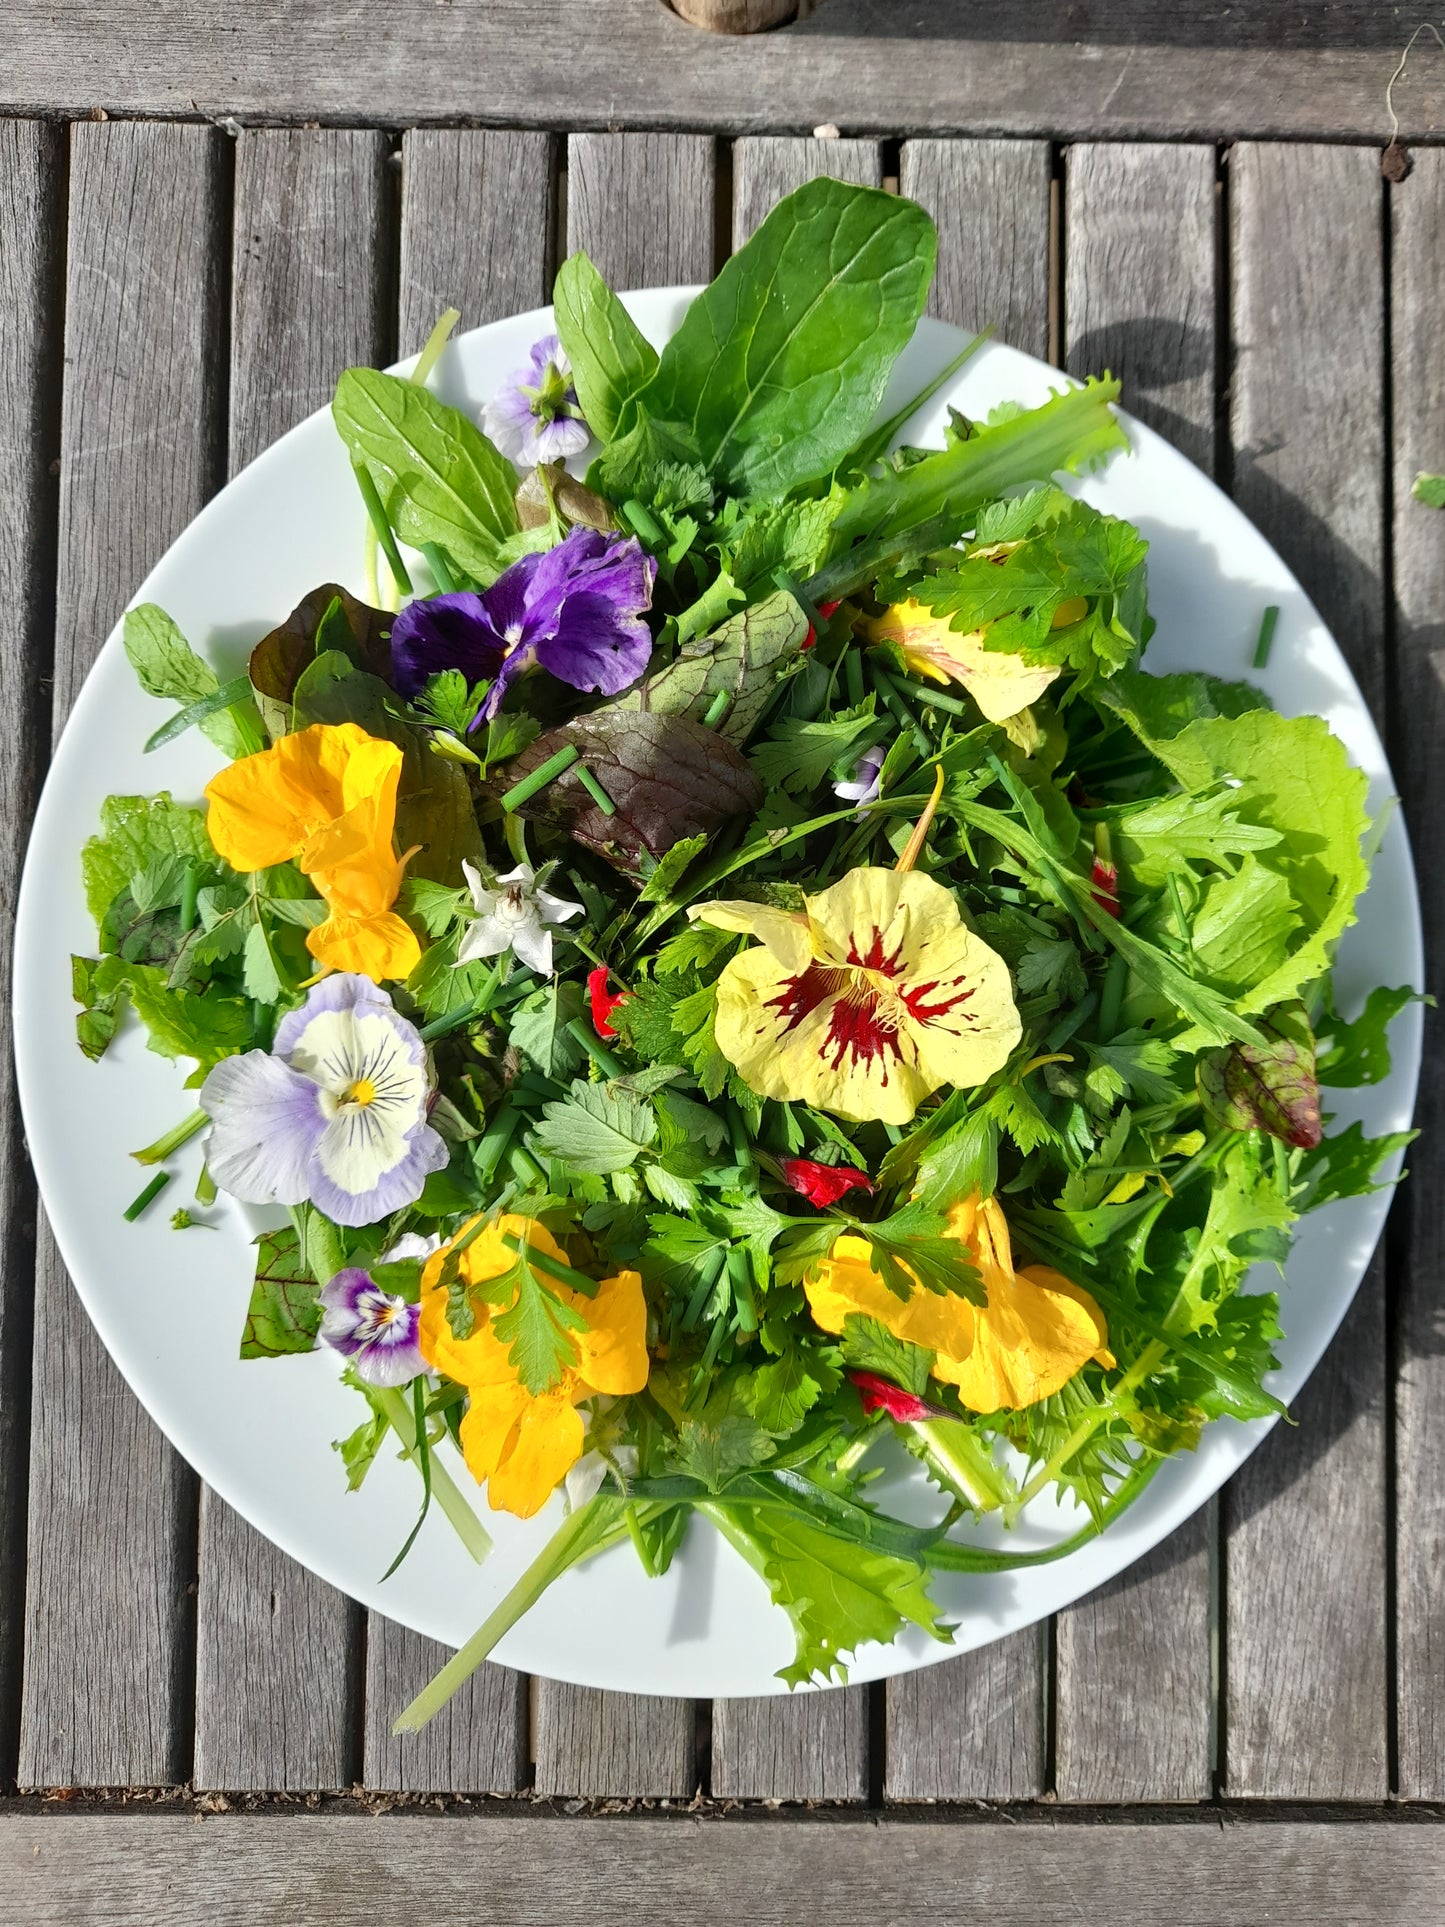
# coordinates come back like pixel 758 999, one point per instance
pixel 176 290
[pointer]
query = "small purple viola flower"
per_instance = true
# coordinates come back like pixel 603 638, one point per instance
pixel 863 786
pixel 575 611
pixel 534 416
pixel 334 1114
pixel 371 1327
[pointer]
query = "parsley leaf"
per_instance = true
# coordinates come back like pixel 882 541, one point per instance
pixel 599 1127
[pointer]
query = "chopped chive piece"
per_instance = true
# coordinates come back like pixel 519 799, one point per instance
pixel 595 790
pixel 190 890
pixel 541 776
pixel 527 1167
pixel 229 693
pixel 899 710
pixel 462 1013
pixel 644 523
pixel 487 1154
pixel 1266 637
pixel 377 515
pixel 552 1267
pixel 152 1191
pixel 173 1139
pixel 1112 1000
pixel 930 693
pixel 853 674
pixel 609 1065
pixel 437 563
pixel 205 1186
pixel 435 342
pixel 717 709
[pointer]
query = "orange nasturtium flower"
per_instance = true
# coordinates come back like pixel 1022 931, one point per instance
pixel 520 1443
pixel 1034 1333
pixel 864 1001
pixel 325 797
pixel 1001 684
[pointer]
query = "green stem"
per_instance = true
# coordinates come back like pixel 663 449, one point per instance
pixel 431 351
pixel 1152 1355
pixel 152 1191
pixel 437 563
pixel 553 1267
pixel 961 1457
pixel 391 1402
pixel 595 790
pixel 376 514
pixel 949 1555
pixel 1111 1002
pixel 583 1034
pixel 523 791
pixel 173 1139
pixel 882 438
pixel 464 1013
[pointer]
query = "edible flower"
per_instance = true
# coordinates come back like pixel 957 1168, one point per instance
pixel 325 798
pixel 602 1000
pixel 576 611
pixel 516 916
pixel 866 1000
pixel 373 1328
pixel 882 1395
pixel 1000 684
pixel 823 1184
pixel 520 1444
pixel 1104 877
pixel 863 786
pixel 1036 1329
pixel 534 417
pixel 334 1114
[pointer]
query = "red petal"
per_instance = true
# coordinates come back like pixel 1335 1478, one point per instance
pixel 1104 886
pixel 826 609
pixel 603 1001
pixel 823 1184
pixel 882 1395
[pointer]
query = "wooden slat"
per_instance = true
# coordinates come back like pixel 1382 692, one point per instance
pixel 973 1727
pixel 476 234
pixel 109 1626
pixel 1135 68
pixel 642 205
pixel 1418 257
pixel 170 1870
pixel 1133 1698
pixel 277 1651
pixel 765 170
pixel 991 202
pixel 477 214
pixel 1305 1633
pixel 30 223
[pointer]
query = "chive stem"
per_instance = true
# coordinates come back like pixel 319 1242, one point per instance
pixel 152 1191
pixel 435 342
pixel 899 710
pixel 609 1065
pixel 463 1013
pixel 173 1139
pixel 553 1267
pixel 205 1187
pixel 1266 637
pixel 644 523
pixel 377 516
pixel 526 1167
pixel 437 563
pixel 595 790
pixel 1112 999
pixel 939 698
pixel 539 778
pixel 853 674
pixel 190 891
pixel 493 1141
pixel 716 709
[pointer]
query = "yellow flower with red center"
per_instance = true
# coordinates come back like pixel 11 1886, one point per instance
pixel 866 1000
pixel 1001 684
pixel 325 798
pixel 1035 1331
pixel 518 1443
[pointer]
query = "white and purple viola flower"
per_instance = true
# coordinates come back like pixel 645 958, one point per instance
pixel 863 786
pixel 375 1329
pixel 575 611
pixel 334 1114
pixel 534 416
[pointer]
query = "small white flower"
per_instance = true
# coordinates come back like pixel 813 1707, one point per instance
pixel 516 916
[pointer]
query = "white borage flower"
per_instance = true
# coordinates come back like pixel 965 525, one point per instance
pixel 517 915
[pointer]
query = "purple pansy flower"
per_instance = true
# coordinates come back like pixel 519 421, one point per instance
pixel 575 611
pixel 334 1114
pixel 374 1329
pixel 534 416
pixel 863 787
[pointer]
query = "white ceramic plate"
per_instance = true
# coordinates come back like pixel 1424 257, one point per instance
pixel 170 1305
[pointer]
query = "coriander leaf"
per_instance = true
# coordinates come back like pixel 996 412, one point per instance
pixel 775 393
pixel 539 1029
pixel 1051 964
pixel 721 1438
pixel 536 1330
pixel 612 361
pixel 134 832
pixel 676 1192
pixel 1013 1109
pixel 800 751
pixel 285 1312
pixel 869 1346
pixel 1359 1053
pixel 439 477
pixel 782 1392
pixel 598 1127
pixel 1146 1066
pixel 1344 1166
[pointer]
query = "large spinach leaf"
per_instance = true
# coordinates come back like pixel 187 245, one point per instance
pixel 612 361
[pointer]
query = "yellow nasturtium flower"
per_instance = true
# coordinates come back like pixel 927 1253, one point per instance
pixel 864 1001
pixel 325 797
pixel 519 1443
pixel 1034 1333
pixel 1001 684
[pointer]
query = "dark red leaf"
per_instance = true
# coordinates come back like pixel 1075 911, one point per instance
pixel 1267 1087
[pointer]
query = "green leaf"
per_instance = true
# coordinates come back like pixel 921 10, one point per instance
pixel 612 361
pixel 800 751
pixel 134 832
pixel 598 1127
pixel 668 874
pixel 782 1392
pixel 1242 928
pixel 285 1312
pixel 1159 708
pixel 359 1448
pixel 1344 1166
pixel 260 977
pixel 775 392
pixel 1267 1087
pixel 439 477
pixel 1359 1053
pixel 722 1438
pixel 180 1022
pixel 539 1028
pixel 536 1329
pixel 99 1016
pixel 742 659
pixel 1429 489
pixel 869 1346
pixel 166 666
pixel 1146 1066
pixel 1192 826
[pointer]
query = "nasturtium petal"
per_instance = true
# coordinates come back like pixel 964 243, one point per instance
pixel 1001 684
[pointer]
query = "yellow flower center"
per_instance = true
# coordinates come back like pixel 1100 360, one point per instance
pixel 362 1093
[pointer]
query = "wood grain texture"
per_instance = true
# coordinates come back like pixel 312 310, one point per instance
pixel 811 1746
pixel 277 1650
pixel 477 219
pixel 329 1870
pixel 31 214
pixel 476 234
pixel 1417 209
pixel 1133 1705
pixel 109 1626
pixel 991 202
pixel 642 205
pixel 765 170
pixel 973 1727
pixel 1305 1632
pixel 614 1745
pixel 1137 68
